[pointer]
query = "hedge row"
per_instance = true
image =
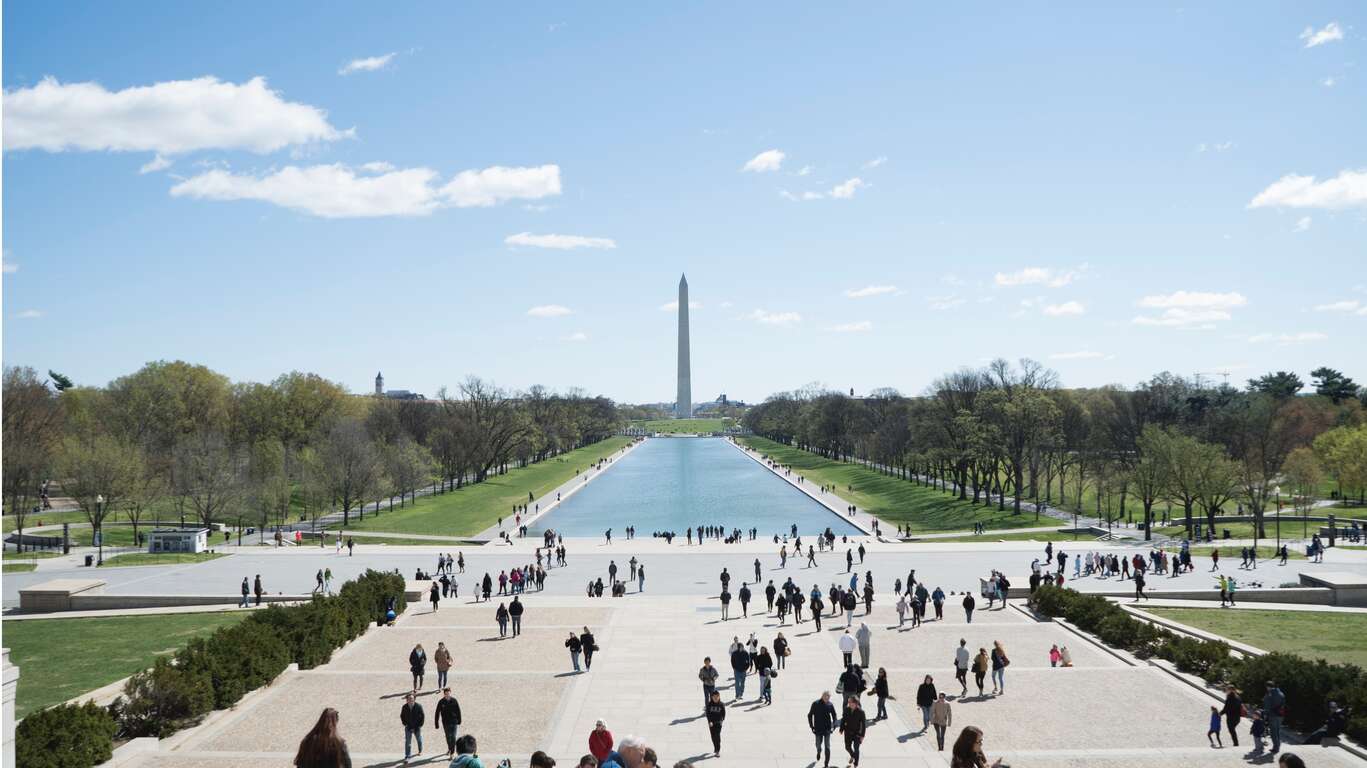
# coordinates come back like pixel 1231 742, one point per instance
pixel 1309 684
pixel 210 673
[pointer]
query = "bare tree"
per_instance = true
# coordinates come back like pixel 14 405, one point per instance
pixel 351 471
pixel 99 472
pixel 211 475
pixel 32 421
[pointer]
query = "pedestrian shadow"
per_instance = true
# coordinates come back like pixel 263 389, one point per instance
pixel 569 674
pixel 697 758
pixel 685 720
pixel 493 639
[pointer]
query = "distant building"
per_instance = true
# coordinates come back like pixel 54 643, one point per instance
pixel 379 383
pixel 394 394
pixel 178 540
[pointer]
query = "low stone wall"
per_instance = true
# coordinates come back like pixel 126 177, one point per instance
pixel 112 602
pixel 1311 594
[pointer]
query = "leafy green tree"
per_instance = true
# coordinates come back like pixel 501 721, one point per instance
pixel 1280 385
pixel 99 472
pixel 1333 384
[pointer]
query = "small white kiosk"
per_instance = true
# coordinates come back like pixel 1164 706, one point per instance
pixel 178 540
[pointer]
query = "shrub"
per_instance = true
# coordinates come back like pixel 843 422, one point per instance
pixel 237 659
pixel 65 736
pixel 1309 686
pixel 161 700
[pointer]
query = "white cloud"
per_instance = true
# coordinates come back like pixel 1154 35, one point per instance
pixel 723 305
pixel 577 336
pixel 157 163
pixel 845 190
pixel 812 195
pixel 368 64
pixel 549 310
pixel 861 326
pixel 1189 309
pixel 1346 190
pixel 941 303
pixel 1194 299
pixel 870 290
pixel 169 118
pixel 1328 82
pixel 775 318
pixel 29 314
pixel 673 306
pixel 8 266
pixel 559 242
pixel 1286 339
pixel 877 161
pixel 336 191
pixel 1065 309
pixel 1080 355
pixel 1327 34
pixel 498 183
pixel 377 167
pixel 806 170
pixel 768 160
pixel 1351 305
pixel 1302 224
pixel 1036 276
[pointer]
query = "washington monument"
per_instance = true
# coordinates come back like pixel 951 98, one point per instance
pixel 683 404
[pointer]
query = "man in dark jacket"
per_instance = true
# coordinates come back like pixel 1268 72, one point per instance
pixel 258 589
pixel 246 590
pixel 515 611
pixel 448 718
pixel 412 718
pixel 1333 726
pixel 740 664
pixel 821 719
pixel 1273 705
pixel 716 713
pixel 769 593
pixel 969 604
pixel 853 724
pixel 744 600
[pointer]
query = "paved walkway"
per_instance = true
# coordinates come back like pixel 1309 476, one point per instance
pixel 520 694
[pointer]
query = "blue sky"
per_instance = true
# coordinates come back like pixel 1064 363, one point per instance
pixel 861 197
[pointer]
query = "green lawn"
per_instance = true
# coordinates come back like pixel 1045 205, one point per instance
pixel 683 426
pixel 893 500
pixel 475 507
pixel 1048 534
pixel 10 522
pixel 1334 637
pixel 114 535
pixel 1291 528
pixel 62 658
pixel 159 558
pixel 396 541
pixel 18 567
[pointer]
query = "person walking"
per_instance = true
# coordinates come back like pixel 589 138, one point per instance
pixel 901 610
pixel 1274 709
pixel 515 612
pixel 1213 733
pixel 744 595
pixel 417 662
pixel 769 593
pixel 641 578
pixel 725 603
pixel 817 606
pixel 781 651
pixel 757 570
pixel 821 720
pixel 967 751
pixel 258 589
pixel 1139 588
pixel 412 717
pixel 715 711
pixel 764 668
pixel 848 601
pixel 708 675
pixel 999 662
pixel 318 582
pixel 980 666
pixel 600 741
pixel 322 747
pixel 501 616
pixel 864 636
pixel 847 645
pixel 246 592
pixel 740 665
pixel 969 604
pixel 327 580
pixel 938 599
pixel 941 717
pixel 575 646
pixel 448 719
pixel 1233 711
pixel 434 595
pixel 961 663
pixel 853 723
pixel 589 646
pixel 442 658
pixel 880 690
pixel 925 699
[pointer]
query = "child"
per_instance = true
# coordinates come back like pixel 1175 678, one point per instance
pixel 1213 735
pixel 1257 730
pixel 1054 656
pixel 1065 657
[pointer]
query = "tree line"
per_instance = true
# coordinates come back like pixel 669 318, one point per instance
pixel 180 440
pixel 1009 434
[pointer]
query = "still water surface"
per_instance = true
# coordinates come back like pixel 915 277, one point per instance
pixel 672 484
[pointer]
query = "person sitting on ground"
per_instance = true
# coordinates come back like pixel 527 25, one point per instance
pixel 1333 726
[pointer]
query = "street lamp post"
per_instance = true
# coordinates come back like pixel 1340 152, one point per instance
pixel 99 529
pixel 1278 489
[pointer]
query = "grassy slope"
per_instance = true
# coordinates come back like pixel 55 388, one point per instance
pixel 18 567
pixel 683 426
pixel 169 558
pixel 1051 534
pixel 1335 637
pixel 475 507
pixel 62 658
pixel 893 500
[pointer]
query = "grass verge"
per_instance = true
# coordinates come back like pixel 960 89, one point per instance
pixel 17 567
pixel 475 507
pixel 1048 534
pixel 892 499
pixel 159 558
pixel 63 658
pixel 683 426
pixel 1332 636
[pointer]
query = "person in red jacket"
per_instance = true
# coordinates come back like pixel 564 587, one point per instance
pixel 600 741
